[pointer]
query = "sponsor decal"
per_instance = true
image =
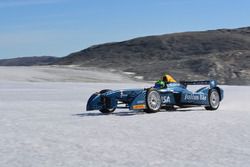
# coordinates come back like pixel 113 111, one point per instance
pixel 140 102
pixel 165 99
pixel 139 106
pixel 195 97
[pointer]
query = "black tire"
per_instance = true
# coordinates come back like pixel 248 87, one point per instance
pixel 153 101
pixel 104 91
pixel 106 110
pixel 214 100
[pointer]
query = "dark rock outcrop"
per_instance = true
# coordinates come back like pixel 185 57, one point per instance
pixel 28 61
pixel 222 54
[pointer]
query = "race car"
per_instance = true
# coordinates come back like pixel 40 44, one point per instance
pixel 153 99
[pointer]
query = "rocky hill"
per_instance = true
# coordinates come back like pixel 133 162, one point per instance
pixel 28 61
pixel 222 54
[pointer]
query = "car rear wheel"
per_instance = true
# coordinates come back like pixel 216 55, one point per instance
pixel 214 100
pixel 107 111
pixel 106 103
pixel 153 101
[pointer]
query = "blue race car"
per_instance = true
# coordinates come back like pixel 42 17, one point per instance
pixel 151 100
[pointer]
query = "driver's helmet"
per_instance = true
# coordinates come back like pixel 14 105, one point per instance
pixel 168 79
pixel 159 84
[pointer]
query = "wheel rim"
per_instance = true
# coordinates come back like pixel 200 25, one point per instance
pixel 214 99
pixel 154 100
pixel 111 110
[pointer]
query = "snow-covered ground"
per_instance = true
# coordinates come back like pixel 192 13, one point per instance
pixel 44 124
pixel 60 74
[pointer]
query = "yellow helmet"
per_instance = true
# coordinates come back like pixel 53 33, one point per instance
pixel 168 78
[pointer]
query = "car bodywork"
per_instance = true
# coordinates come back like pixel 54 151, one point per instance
pixel 173 95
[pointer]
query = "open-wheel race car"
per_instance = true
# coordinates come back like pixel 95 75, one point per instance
pixel 151 100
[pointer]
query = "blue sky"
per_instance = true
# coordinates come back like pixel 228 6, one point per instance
pixel 59 27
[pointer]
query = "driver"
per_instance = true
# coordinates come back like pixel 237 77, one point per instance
pixel 166 79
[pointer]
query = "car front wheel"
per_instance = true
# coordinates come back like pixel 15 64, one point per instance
pixel 153 101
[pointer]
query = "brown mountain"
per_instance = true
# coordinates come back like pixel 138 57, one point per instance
pixel 222 54
pixel 28 61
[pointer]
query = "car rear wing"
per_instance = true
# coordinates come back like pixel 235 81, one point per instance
pixel 212 83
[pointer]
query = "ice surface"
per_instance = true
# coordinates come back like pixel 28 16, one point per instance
pixel 60 74
pixel 44 124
